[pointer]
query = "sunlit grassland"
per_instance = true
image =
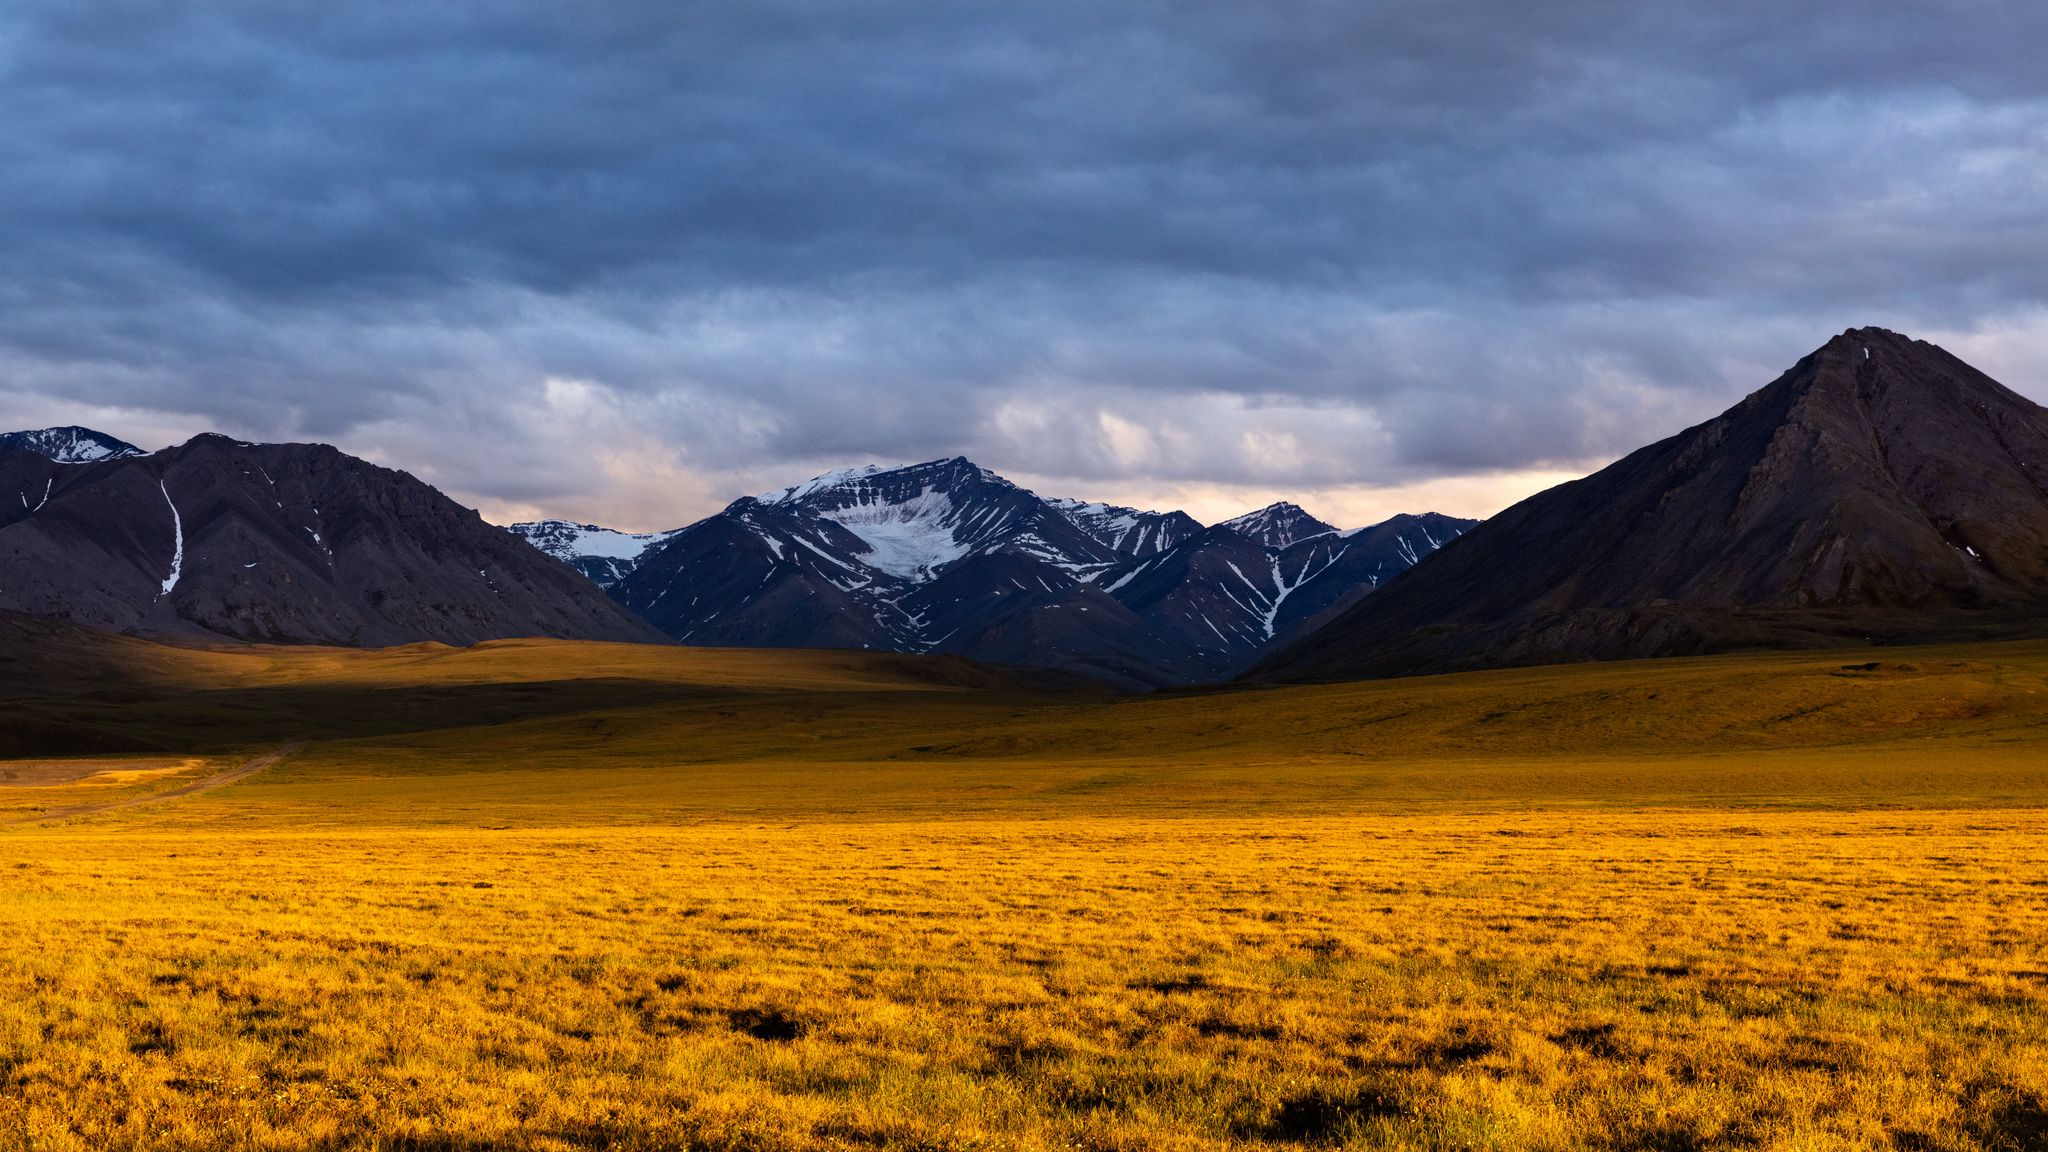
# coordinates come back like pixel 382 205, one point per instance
pixel 1617 980
pixel 1755 902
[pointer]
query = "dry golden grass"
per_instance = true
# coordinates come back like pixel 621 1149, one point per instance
pixel 545 896
pixel 1630 980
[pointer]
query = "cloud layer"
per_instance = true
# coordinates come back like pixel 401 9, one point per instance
pixel 627 260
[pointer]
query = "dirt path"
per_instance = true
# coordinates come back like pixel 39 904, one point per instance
pixel 205 784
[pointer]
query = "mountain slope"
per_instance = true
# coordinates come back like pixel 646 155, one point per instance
pixel 761 575
pixel 276 542
pixel 1325 574
pixel 1881 489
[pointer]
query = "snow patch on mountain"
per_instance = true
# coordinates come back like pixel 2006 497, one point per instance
pixel 566 541
pixel 178 542
pixel 910 540
pixel 48 486
pixel 1095 514
pixel 605 555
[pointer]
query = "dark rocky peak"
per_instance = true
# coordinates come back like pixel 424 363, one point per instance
pixel 915 521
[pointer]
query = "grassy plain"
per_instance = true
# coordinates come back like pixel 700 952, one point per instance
pixel 559 896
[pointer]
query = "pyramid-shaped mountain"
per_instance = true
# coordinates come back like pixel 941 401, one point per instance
pixel 1882 490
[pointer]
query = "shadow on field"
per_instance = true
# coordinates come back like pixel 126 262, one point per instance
pixel 1322 1116
pixel 2011 1118
pixel 123 722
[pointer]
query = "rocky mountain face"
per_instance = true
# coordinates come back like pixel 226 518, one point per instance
pixel 1882 490
pixel 949 557
pixel 293 543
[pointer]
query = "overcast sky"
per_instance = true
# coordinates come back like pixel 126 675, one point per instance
pixel 624 261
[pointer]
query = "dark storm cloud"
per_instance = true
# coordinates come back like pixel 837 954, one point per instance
pixel 1307 241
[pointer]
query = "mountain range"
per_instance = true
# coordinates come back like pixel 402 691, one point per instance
pixel 301 543
pixel 949 557
pixel 1880 491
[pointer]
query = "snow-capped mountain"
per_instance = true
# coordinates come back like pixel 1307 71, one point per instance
pixel 949 557
pixel 849 558
pixel 917 520
pixel 1278 525
pixel 70 444
pixel 603 554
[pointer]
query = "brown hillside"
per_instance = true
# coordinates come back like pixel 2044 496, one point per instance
pixel 1882 490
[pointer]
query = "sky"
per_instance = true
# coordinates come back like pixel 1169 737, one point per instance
pixel 623 262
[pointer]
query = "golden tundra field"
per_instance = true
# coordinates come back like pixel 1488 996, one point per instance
pixel 551 896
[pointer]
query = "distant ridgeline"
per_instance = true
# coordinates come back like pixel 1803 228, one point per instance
pixel 950 558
